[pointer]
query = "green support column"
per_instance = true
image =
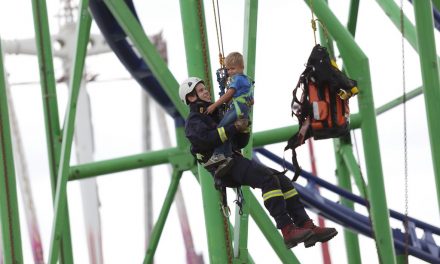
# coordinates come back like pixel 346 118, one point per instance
pixel 430 78
pixel 9 217
pixel 351 239
pixel 342 172
pixel 49 95
pixel 393 12
pixel 197 54
pixel 352 16
pixel 160 223
pixel 83 32
pixel 436 3
pixel 249 52
pixel 358 68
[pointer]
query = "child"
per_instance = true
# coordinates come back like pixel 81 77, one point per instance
pixel 239 96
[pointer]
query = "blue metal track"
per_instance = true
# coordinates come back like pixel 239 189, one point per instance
pixel 423 248
pixel 136 66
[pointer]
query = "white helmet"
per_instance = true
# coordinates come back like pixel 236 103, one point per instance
pixel 187 87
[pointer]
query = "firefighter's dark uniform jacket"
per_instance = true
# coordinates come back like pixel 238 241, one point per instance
pixel 280 197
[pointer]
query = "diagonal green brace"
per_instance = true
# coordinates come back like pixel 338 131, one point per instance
pixel 158 227
pixel 9 217
pixel 83 32
pixel 147 50
pixel 431 84
pixel 49 95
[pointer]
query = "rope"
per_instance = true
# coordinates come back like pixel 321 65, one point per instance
pixel 228 241
pixel 219 34
pixel 405 156
pixel 313 21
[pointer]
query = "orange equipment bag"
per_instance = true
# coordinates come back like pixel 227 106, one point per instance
pixel 322 109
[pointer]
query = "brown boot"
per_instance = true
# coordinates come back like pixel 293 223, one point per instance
pixel 319 234
pixel 293 235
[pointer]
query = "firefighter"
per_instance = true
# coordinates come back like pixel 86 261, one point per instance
pixel 279 196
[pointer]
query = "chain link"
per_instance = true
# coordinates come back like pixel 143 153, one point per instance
pixel 405 146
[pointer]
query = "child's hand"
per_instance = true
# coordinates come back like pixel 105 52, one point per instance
pixel 210 109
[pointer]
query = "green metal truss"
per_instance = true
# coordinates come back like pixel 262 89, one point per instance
pixel 59 142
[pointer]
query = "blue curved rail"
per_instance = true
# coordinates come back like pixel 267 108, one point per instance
pixel 118 41
pixel 424 248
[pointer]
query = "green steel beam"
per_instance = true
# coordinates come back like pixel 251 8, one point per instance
pixel 436 3
pixel 342 173
pixel 346 152
pixel 49 95
pixel 158 227
pixel 393 12
pixel 137 161
pixel 9 216
pixel 47 80
pixel 430 77
pixel 352 17
pixel 147 50
pixel 249 53
pixel 351 238
pixel 197 54
pixel 270 232
pixel 358 68
pixel 399 100
pixel 83 33
pixel 196 41
pixel 272 136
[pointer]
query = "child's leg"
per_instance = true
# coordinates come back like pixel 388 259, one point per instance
pixel 229 118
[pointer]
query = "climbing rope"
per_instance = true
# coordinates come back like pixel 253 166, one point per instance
pixel 226 228
pixel 313 21
pixel 218 30
pixel 314 27
pixel 405 153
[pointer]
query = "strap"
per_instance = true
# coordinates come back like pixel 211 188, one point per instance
pixel 240 200
pixel 297 140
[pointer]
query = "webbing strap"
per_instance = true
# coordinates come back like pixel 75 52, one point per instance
pixel 222 134
pixel 237 107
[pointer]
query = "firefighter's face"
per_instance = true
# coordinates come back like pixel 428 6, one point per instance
pixel 203 93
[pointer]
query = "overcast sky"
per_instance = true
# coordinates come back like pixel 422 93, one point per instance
pixel 284 42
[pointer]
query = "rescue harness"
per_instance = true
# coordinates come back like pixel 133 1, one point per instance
pixel 322 109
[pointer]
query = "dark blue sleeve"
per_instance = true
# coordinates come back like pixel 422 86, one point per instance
pixel 204 137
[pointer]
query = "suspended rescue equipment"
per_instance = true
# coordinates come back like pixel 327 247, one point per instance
pixel 322 109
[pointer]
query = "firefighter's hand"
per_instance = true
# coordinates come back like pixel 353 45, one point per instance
pixel 210 109
pixel 242 124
